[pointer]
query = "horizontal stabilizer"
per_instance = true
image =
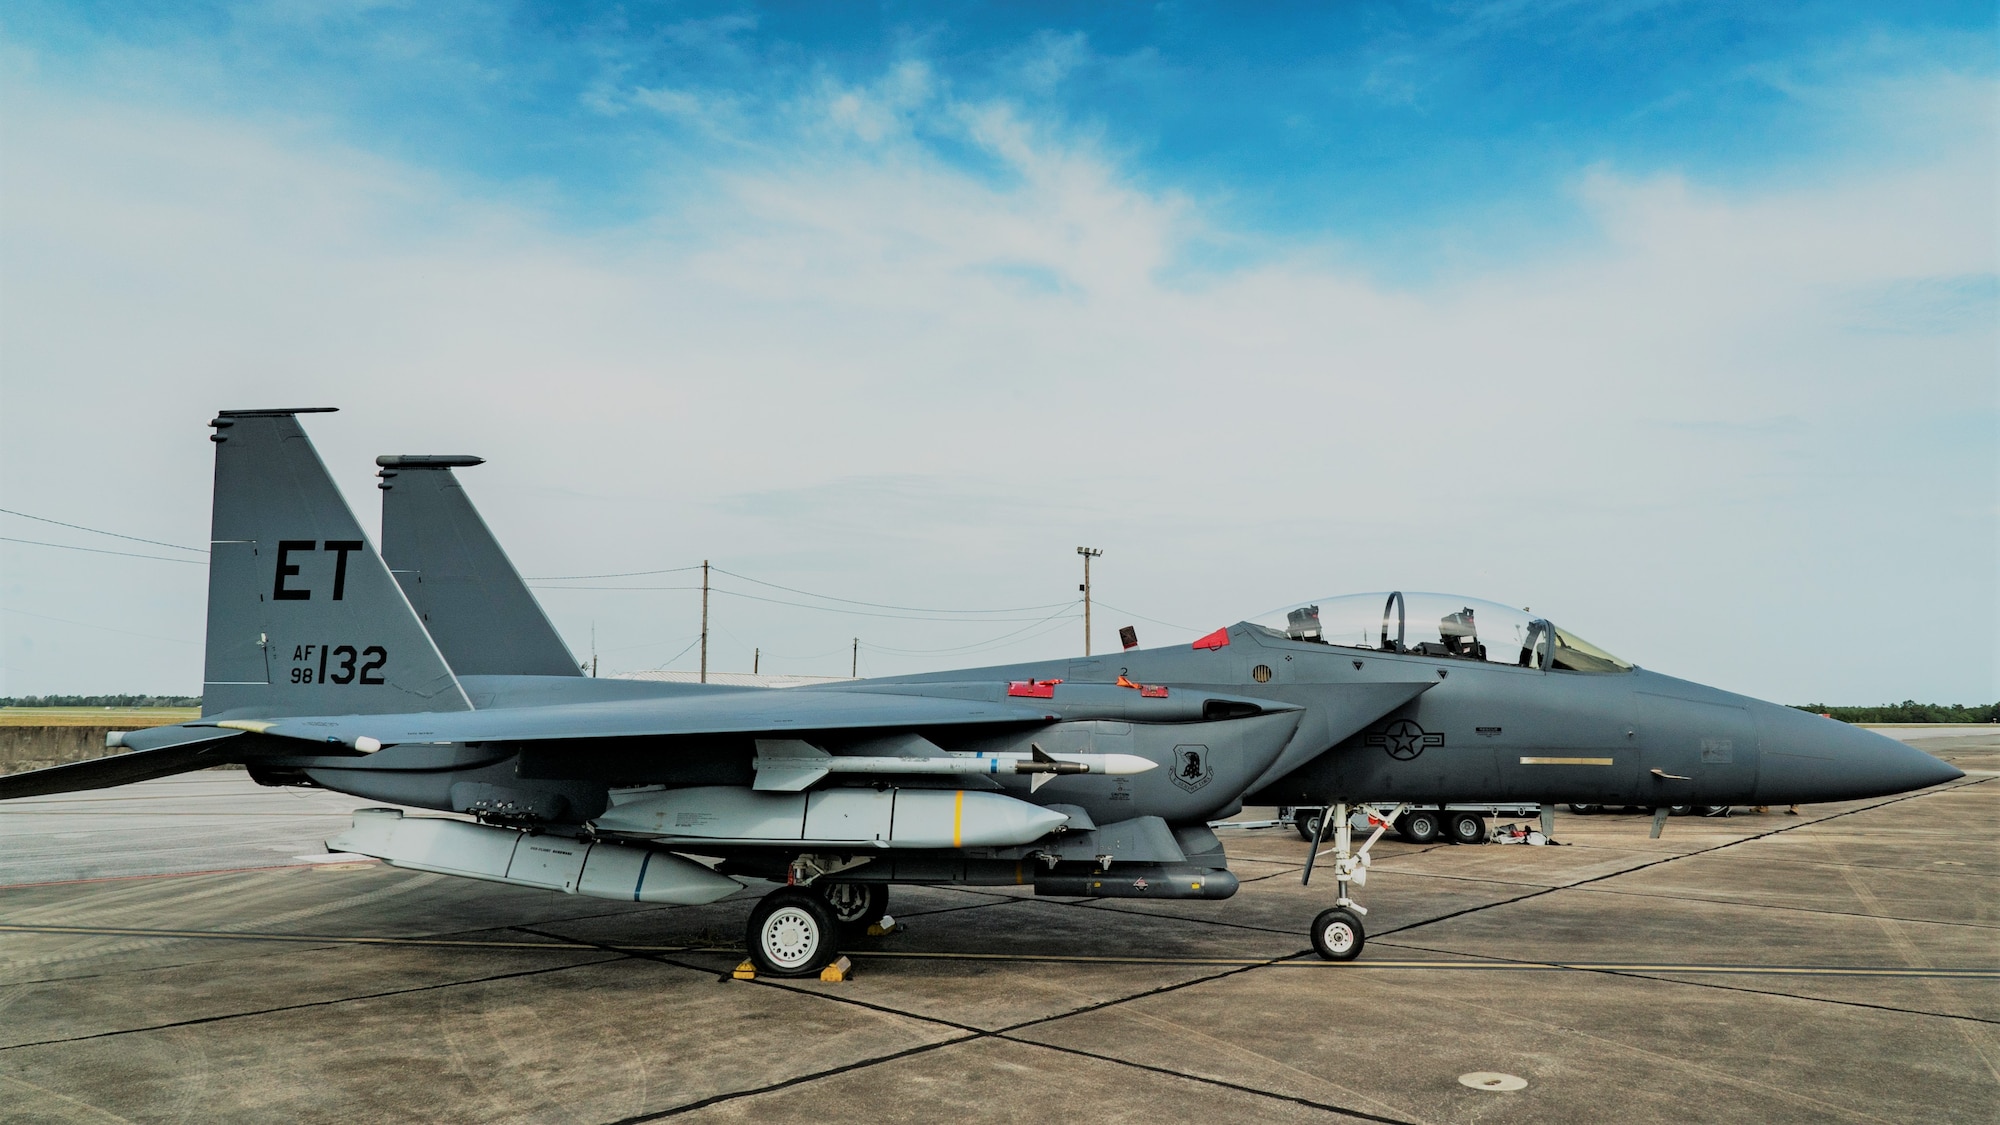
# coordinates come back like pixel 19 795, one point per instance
pixel 209 749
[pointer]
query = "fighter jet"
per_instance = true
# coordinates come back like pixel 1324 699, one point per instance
pixel 433 680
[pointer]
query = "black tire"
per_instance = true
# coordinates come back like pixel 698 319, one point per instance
pixel 1420 827
pixel 1712 810
pixel 1585 810
pixel 855 906
pixel 792 933
pixel 1305 820
pixel 1337 934
pixel 1679 810
pixel 1465 828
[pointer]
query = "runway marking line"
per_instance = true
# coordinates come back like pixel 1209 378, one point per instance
pixel 1054 958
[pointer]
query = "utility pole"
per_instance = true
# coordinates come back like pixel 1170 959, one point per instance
pixel 1088 554
pixel 756 658
pixel 854 665
pixel 593 650
pixel 704 621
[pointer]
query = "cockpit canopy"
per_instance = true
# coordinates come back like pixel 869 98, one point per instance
pixel 1440 625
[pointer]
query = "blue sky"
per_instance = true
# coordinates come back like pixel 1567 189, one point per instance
pixel 901 302
pixel 1392 130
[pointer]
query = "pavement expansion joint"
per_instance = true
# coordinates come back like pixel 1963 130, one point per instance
pixel 1326 1107
pixel 306 1004
pixel 1790 907
pixel 799 1080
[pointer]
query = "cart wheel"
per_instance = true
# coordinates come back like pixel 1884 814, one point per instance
pixel 1466 828
pixel 1419 827
pixel 1304 820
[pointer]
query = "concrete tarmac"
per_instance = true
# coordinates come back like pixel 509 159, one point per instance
pixel 169 952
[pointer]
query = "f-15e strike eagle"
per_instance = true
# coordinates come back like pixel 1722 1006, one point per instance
pixel 427 676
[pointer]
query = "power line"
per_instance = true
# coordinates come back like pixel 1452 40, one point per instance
pixel 1057 618
pixel 640 588
pixel 662 665
pixel 100 531
pixel 620 574
pixel 105 628
pixel 820 608
pixel 1143 617
pixel 881 605
pixel 101 551
pixel 992 645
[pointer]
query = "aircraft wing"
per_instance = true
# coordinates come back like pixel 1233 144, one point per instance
pixel 160 752
pixel 763 712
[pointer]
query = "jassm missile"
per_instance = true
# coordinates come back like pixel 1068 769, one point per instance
pixel 789 765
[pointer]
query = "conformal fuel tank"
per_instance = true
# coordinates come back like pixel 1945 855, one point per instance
pixel 883 818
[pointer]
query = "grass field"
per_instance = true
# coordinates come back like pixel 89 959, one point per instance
pixel 132 717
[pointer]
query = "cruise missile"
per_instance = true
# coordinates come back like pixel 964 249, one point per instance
pixel 789 765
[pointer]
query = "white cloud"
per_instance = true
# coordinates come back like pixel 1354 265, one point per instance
pixel 1678 437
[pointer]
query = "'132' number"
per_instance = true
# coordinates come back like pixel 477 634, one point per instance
pixel 338 664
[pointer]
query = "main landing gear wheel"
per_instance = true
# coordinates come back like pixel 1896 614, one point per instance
pixel 855 906
pixel 1466 828
pixel 792 933
pixel 1420 827
pixel 1337 934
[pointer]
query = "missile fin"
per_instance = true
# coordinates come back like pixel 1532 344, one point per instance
pixel 787 765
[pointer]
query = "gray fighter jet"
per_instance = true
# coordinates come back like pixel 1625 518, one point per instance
pixel 433 680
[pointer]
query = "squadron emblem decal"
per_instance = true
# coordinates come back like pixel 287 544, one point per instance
pixel 1404 739
pixel 1192 769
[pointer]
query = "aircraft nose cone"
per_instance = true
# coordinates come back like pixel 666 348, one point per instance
pixel 1808 759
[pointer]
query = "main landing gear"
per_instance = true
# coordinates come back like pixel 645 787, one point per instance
pixel 1337 934
pixel 796 931
pixel 792 933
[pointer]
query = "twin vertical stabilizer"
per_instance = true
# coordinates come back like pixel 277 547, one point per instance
pixel 463 586
pixel 303 615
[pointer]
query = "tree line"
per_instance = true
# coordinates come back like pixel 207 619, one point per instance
pixel 100 700
pixel 1909 711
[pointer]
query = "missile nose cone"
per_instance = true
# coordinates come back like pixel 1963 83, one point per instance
pixel 1809 759
pixel 1120 764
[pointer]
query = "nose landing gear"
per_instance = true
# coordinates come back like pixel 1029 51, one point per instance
pixel 1337 933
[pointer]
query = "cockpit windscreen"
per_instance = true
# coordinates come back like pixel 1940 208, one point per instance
pixel 1440 625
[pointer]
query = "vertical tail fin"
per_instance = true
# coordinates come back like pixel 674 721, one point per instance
pixel 455 573
pixel 303 616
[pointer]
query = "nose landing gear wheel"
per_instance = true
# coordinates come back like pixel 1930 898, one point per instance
pixel 855 906
pixel 792 933
pixel 1337 935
